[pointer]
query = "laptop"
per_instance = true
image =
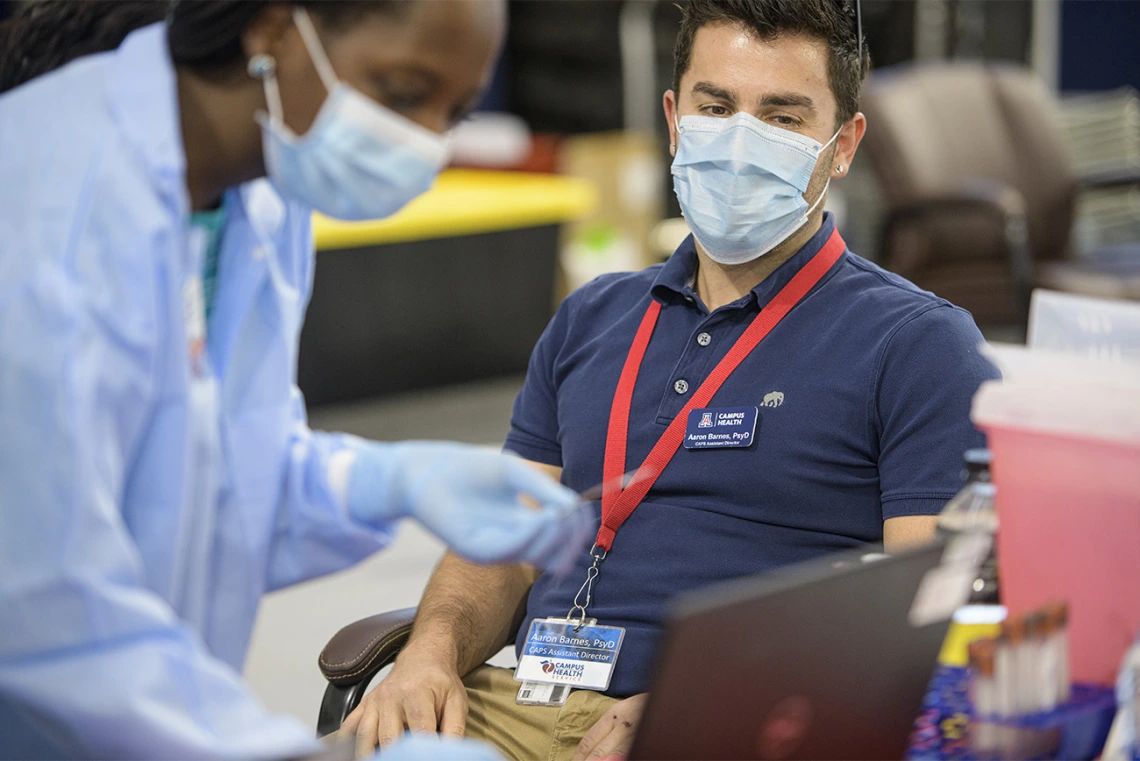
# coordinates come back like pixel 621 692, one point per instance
pixel 826 660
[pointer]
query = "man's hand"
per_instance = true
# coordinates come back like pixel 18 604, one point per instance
pixel 613 734
pixel 423 693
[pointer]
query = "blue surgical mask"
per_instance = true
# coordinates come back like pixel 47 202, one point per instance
pixel 359 160
pixel 741 184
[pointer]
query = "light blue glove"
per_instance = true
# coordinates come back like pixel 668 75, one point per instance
pixel 469 497
pixel 426 747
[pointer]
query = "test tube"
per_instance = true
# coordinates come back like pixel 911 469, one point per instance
pixel 1005 681
pixel 1017 665
pixel 984 696
pixel 1058 613
pixel 1050 663
pixel 1033 653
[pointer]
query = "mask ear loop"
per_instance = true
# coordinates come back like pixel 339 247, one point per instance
pixel 826 185
pixel 822 195
pixel 823 147
pixel 316 51
pixel 264 67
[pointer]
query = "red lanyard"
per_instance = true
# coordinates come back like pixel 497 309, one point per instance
pixel 618 503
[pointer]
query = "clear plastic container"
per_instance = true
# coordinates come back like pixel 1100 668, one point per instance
pixel 1103 329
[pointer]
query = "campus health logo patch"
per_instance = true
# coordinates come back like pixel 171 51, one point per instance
pixel 564 670
pixel 706 420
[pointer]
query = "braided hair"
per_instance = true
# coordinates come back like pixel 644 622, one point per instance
pixel 47 34
pixel 207 33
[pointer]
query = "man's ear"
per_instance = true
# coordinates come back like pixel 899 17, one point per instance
pixel 669 101
pixel 850 135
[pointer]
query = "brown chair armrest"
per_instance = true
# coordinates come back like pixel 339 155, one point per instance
pixel 354 652
pixel 353 656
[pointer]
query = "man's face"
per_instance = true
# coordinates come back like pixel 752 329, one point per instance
pixel 782 82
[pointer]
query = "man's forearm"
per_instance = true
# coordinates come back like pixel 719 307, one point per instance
pixel 469 611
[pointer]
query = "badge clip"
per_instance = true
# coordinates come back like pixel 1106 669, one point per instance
pixel 587 587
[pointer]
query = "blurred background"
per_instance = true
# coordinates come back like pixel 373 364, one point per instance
pixel 1002 153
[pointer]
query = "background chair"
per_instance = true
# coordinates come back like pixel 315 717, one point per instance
pixel 979 189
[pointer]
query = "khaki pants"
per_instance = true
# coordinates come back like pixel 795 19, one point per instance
pixel 528 733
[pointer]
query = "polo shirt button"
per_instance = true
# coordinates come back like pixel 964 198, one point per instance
pixel 704 339
pixel 681 386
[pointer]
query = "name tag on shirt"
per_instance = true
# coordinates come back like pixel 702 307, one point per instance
pixel 558 651
pixel 721 427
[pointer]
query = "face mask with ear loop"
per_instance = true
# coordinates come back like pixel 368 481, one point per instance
pixel 359 160
pixel 741 183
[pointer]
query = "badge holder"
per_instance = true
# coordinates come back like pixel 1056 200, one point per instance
pixel 561 654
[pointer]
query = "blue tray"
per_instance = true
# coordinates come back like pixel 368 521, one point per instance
pixel 1076 730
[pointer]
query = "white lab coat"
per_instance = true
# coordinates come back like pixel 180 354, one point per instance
pixel 151 489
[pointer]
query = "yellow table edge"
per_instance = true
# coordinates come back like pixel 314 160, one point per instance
pixel 468 202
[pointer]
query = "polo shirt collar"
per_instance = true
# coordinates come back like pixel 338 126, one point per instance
pixel 677 275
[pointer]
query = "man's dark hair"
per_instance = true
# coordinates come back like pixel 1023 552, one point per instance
pixel 832 21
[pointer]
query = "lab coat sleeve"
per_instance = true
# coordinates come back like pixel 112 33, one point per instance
pixel 315 535
pixel 91 661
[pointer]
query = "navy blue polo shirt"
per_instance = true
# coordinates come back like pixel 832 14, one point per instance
pixel 874 379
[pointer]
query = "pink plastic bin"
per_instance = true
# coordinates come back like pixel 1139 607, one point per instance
pixel 1069 509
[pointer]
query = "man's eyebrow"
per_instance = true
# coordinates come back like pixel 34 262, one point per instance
pixel 708 88
pixel 786 99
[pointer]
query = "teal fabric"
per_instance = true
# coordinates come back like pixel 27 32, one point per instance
pixel 212 222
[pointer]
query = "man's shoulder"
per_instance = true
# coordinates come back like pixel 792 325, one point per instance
pixel 888 284
pixel 888 300
pixel 907 328
pixel 612 290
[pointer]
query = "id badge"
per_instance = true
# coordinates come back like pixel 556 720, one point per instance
pixel 559 651
pixel 721 427
pixel 539 694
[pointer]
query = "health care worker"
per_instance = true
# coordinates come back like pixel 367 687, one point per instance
pixel 157 474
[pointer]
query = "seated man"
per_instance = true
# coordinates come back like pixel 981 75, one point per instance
pixel 859 396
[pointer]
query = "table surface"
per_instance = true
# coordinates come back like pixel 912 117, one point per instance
pixel 468 202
